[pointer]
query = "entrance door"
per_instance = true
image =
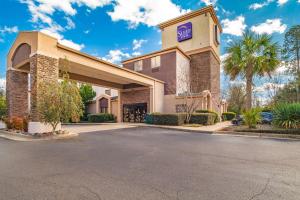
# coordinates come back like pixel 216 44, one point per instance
pixel 134 113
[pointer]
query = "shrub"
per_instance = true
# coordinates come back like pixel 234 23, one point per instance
pixel 216 119
pixel 101 117
pixel 252 117
pixel 165 119
pixel 203 118
pixel 84 117
pixel 17 123
pixel 227 116
pixel 287 115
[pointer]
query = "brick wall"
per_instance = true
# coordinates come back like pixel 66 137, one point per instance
pixel 135 96
pixel 17 93
pixel 205 75
pixel 42 69
pixel 166 72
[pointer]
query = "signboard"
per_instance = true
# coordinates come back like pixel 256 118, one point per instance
pixel 184 32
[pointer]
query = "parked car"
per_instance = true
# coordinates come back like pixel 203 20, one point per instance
pixel 239 120
pixel 266 117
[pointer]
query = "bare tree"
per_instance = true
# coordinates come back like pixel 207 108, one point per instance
pixel 188 88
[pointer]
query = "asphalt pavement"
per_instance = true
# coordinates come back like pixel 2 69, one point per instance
pixel 150 163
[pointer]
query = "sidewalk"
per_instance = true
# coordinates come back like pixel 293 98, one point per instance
pixel 203 129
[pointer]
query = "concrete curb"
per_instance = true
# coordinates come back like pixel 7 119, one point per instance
pixel 246 134
pixel 259 135
pixel 174 128
pixel 26 138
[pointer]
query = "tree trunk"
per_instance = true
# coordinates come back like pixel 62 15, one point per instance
pixel 249 92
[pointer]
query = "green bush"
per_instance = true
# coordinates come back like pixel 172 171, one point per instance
pixel 252 117
pixel 179 119
pixel 165 119
pixel 101 117
pixel 203 118
pixel 287 115
pixel 216 119
pixel 227 116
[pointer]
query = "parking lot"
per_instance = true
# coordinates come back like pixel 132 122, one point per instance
pixel 150 163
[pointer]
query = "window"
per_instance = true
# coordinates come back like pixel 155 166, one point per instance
pixel 216 34
pixel 108 92
pixel 138 66
pixel 155 62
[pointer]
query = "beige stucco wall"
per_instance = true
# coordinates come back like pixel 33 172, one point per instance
pixel 213 44
pixel 182 73
pixel 114 108
pixel 201 34
pixel 170 102
pixel 91 108
pixel 159 97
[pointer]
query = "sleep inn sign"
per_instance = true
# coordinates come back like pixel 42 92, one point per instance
pixel 184 32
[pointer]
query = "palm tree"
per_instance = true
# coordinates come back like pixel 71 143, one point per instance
pixel 252 55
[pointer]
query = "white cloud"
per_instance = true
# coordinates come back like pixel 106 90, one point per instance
pixel 149 12
pixel 71 44
pixel 268 86
pixel 2 83
pixel 48 7
pixel 86 31
pixel 116 56
pixel 234 27
pixel 136 53
pixel 209 2
pixel 223 58
pixel 137 44
pixel 256 6
pixel 282 2
pixel 270 26
pixel 6 29
pixel 70 23
pixel 54 32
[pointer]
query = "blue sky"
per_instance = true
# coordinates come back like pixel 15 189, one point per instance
pixel 118 29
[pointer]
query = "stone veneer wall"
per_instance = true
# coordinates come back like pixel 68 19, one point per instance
pixel 42 69
pixel 135 96
pixel 205 70
pixel 17 93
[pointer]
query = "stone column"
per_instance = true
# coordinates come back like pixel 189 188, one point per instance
pixel 17 93
pixel 42 69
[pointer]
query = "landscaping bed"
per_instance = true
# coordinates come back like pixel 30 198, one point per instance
pixel 261 128
pixel 24 136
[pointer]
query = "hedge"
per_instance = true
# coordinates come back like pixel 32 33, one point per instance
pixel 216 120
pixel 227 116
pixel 101 117
pixel 165 119
pixel 203 118
pixel 179 119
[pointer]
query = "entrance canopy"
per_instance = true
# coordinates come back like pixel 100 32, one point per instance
pixel 81 67
pixel 36 57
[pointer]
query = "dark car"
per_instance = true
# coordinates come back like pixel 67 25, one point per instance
pixel 239 120
pixel 266 117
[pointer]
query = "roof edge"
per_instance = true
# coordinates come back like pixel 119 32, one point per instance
pixel 105 62
pixel 192 14
pixel 175 48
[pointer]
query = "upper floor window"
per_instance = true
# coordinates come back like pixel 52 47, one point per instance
pixel 108 92
pixel 217 34
pixel 138 65
pixel 155 62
